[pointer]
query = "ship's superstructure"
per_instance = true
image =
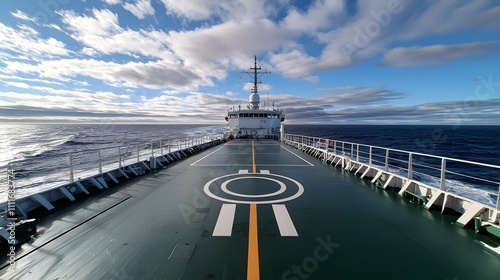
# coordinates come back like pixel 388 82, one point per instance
pixel 254 121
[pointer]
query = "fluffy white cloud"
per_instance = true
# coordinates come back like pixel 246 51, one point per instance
pixel 154 74
pixel 112 2
pixel 102 32
pixel 436 54
pixel 20 15
pixel 224 9
pixel 26 41
pixel 320 15
pixel 140 9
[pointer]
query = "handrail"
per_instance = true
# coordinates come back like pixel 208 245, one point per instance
pixel 444 173
pixel 403 151
pixel 53 171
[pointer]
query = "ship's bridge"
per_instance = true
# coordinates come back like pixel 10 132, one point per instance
pixel 254 121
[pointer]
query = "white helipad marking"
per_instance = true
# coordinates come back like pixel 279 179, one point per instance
pixel 300 191
pixel 284 221
pixel 205 156
pixel 243 171
pixel 224 225
pixel 282 189
pixel 265 172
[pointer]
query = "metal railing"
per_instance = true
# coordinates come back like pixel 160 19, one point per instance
pixel 52 171
pixel 474 180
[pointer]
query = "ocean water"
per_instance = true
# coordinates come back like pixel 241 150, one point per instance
pixel 39 153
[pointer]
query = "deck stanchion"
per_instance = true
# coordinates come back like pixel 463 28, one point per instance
pixel 410 166
pixel 327 143
pixel 357 152
pixel 498 199
pixel 169 148
pixel 100 161
pixel 386 159
pixel 138 152
pixel 119 157
pixel 442 184
pixel 370 156
pixel 70 159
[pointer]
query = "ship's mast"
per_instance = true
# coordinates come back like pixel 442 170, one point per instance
pixel 256 74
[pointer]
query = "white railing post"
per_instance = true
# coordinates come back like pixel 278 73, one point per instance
pixel 410 166
pixel 100 161
pixel 334 147
pixel 70 159
pixel 327 143
pixel 386 159
pixel 152 150
pixel 357 152
pixel 498 199
pixel 119 157
pixel 370 156
pixel 442 185
pixel 352 151
pixel 138 152
pixel 169 148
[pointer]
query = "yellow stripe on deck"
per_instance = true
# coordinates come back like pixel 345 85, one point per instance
pixel 253 272
pixel 253 245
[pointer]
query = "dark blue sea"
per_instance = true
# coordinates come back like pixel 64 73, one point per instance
pixel 39 151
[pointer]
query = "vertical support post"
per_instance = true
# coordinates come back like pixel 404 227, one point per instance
pixel 152 150
pixel 119 157
pixel 442 185
pixel 357 152
pixel 100 161
pixel 334 147
pixel 352 150
pixel 138 152
pixel 370 156
pixel 410 166
pixel 498 199
pixel 169 148
pixel 327 143
pixel 343 149
pixel 386 159
pixel 282 132
pixel 70 159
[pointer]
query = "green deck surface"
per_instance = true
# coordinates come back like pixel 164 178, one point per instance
pixel 347 229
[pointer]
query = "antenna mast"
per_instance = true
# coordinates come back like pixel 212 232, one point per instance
pixel 256 74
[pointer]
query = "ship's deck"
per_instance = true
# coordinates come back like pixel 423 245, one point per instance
pixel 162 226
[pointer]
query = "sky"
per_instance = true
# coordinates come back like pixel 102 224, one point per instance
pixel 175 62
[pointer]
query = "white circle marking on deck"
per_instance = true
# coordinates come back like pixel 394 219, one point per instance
pixel 300 190
pixel 280 191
